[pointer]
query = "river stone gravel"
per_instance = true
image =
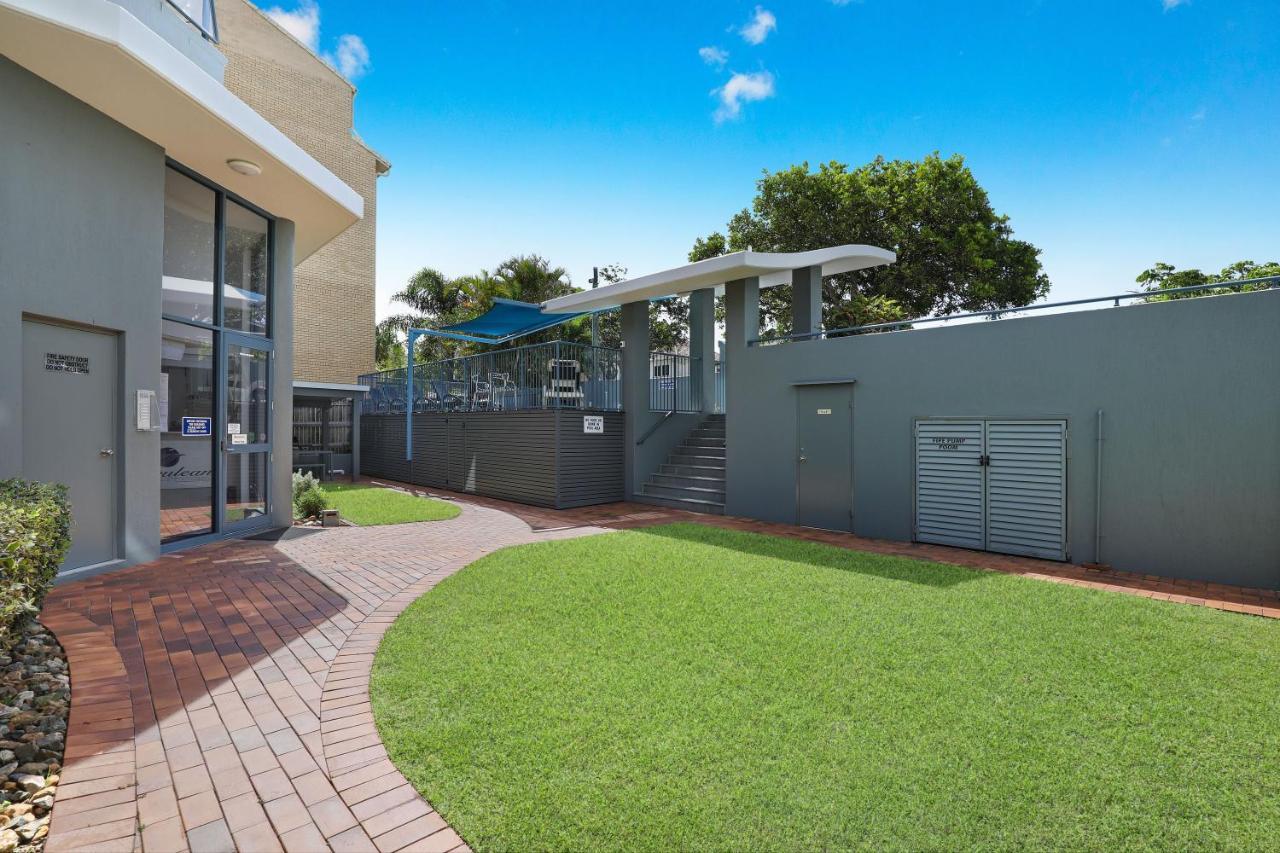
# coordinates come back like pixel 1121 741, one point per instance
pixel 35 692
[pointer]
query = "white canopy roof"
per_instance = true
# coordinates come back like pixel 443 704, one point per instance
pixel 773 268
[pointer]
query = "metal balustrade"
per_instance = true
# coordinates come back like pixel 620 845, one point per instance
pixel 554 375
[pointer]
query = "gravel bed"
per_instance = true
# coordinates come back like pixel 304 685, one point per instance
pixel 35 692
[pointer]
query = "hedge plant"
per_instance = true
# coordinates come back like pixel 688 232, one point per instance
pixel 35 532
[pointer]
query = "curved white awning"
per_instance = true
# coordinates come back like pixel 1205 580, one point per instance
pixel 773 268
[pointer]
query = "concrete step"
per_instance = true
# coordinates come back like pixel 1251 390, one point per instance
pixel 684 493
pixel 694 458
pixel 712 471
pixel 688 449
pixel 704 441
pixel 704 432
pixel 709 507
pixel 688 481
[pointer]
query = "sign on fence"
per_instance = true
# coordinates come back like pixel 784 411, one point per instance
pixel 593 424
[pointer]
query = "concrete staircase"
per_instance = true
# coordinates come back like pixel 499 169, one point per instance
pixel 692 478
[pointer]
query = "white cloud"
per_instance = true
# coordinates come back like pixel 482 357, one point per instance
pixel 352 60
pixel 714 56
pixel 758 28
pixel 303 23
pixel 742 88
pixel 1170 5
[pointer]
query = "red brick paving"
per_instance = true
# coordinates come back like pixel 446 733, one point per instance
pixel 220 695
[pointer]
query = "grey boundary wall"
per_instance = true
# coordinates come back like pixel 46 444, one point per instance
pixel 1190 392
pixel 542 458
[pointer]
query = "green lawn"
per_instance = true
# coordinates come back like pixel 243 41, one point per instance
pixel 687 687
pixel 364 505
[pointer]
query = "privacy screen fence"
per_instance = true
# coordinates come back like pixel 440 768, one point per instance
pixel 554 375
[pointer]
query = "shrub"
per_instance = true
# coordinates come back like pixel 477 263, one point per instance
pixel 302 482
pixel 35 532
pixel 311 502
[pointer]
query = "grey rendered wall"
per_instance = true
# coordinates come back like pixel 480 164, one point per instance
pixel 280 487
pixel 81 231
pixel 1190 391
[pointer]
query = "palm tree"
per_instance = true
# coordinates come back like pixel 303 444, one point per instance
pixel 530 278
pixel 434 300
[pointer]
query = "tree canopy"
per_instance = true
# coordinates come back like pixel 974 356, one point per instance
pixel 955 253
pixel 1164 276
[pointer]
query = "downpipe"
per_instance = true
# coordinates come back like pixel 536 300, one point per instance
pixel 1097 499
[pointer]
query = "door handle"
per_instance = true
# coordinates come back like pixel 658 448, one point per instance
pixel 804 458
pixel 106 452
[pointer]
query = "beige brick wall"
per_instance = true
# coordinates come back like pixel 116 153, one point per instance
pixel 334 301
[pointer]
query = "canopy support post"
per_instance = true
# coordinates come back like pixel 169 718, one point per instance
pixel 408 398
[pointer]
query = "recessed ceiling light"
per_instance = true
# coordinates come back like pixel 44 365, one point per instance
pixel 245 167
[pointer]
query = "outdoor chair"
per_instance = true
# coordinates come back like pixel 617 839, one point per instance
pixel 481 395
pixel 428 402
pixel 503 388
pixel 563 383
pixel 455 396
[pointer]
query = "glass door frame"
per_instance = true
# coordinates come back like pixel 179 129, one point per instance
pixel 223 339
pixel 226 448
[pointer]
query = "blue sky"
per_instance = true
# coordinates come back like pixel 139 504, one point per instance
pixel 1114 134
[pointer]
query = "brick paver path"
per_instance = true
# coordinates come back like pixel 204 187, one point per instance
pixel 220 695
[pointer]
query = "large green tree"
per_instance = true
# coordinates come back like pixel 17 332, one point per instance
pixel 1164 276
pixel 955 253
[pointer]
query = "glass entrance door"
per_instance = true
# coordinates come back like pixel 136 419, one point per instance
pixel 246 438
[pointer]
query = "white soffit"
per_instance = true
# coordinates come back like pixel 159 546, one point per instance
pixel 100 54
pixel 773 268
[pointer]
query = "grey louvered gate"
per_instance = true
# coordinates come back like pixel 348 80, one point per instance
pixel 1027 488
pixel 997 485
pixel 950 503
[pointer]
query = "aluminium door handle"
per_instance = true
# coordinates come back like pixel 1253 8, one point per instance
pixel 106 451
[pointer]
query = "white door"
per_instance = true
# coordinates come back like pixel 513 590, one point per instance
pixel 69 429
pixel 1027 488
pixel 950 498
pixel 994 485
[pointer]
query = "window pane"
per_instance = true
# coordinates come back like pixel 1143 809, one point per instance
pixel 247 393
pixel 246 486
pixel 244 271
pixel 188 248
pixel 186 461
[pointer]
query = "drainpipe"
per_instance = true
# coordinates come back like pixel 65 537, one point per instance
pixel 1097 499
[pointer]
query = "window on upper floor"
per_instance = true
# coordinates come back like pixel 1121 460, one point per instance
pixel 200 13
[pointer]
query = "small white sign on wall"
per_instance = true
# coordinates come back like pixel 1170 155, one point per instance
pixel 824 411
pixel 232 429
pixel 240 438
pixel 593 424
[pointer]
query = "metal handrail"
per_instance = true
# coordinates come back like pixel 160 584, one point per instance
pixel 651 430
pixel 1272 282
